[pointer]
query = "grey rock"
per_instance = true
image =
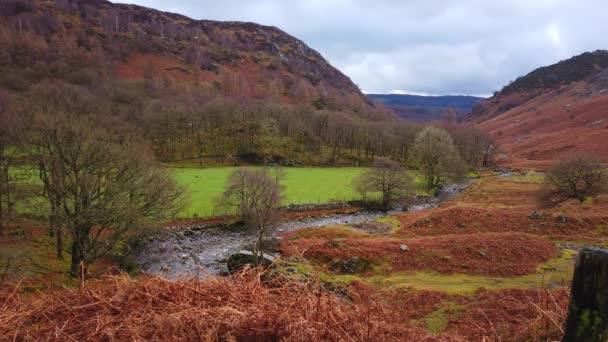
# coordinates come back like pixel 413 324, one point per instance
pixel 245 258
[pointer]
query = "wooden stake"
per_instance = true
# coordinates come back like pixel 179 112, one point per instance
pixel 588 310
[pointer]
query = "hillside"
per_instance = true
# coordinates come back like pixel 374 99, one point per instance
pixel 233 90
pixel 234 57
pixel 551 112
pixel 418 108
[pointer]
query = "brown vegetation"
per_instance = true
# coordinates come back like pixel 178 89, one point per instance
pixel 242 307
pixel 551 113
pixel 248 307
pixel 504 255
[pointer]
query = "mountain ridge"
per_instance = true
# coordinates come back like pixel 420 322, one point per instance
pixel 420 108
pixel 536 126
pixel 265 53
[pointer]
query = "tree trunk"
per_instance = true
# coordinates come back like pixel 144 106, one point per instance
pixel 58 229
pixel 59 245
pixel 588 309
pixel 7 189
pixel 1 213
pixel 52 219
pixel 78 254
pixel 76 259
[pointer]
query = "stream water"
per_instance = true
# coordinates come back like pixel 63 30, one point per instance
pixel 203 249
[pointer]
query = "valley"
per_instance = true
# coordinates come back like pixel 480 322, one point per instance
pixel 167 177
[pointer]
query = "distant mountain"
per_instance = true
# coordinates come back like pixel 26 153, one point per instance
pixel 551 112
pixel 425 108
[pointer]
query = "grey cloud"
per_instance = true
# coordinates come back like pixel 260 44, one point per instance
pixel 432 46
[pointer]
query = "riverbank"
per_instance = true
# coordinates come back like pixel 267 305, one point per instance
pixel 202 246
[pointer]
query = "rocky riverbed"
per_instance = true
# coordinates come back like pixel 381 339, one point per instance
pixel 203 249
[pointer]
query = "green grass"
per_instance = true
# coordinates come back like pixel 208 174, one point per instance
pixel 437 321
pixel 204 185
pixel 302 185
pixel 551 274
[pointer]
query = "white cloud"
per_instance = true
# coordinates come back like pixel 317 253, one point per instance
pixel 426 46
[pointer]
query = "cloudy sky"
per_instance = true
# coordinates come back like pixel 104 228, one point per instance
pixel 424 46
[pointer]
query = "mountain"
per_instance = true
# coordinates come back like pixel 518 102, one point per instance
pixel 551 112
pixel 224 91
pixel 231 57
pixel 418 108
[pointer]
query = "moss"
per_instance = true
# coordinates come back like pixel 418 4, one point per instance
pixel 390 220
pixel 588 200
pixel 551 273
pixel 437 321
pixel 473 174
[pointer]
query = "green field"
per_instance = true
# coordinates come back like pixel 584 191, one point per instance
pixel 302 185
pixel 204 185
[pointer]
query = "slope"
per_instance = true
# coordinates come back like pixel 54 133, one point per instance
pixel 234 57
pixel 550 113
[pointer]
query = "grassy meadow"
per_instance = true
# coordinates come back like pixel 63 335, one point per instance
pixel 204 185
pixel 302 185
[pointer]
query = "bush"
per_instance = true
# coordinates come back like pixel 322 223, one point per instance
pixel 577 177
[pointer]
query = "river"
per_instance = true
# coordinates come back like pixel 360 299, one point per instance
pixel 202 250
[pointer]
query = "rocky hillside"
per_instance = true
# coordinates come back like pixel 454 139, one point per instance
pixel 92 38
pixel 201 91
pixel 551 112
pixel 417 108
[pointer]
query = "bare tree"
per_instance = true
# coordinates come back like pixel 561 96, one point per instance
pixel 256 195
pixel 386 177
pixel 96 173
pixel 277 172
pixel 578 177
pixel 476 148
pixel 7 151
pixel 436 156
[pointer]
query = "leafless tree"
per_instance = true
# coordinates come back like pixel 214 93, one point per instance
pixel 578 177
pixel 7 151
pixel 436 156
pixel 386 177
pixel 277 172
pixel 476 148
pixel 96 172
pixel 256 195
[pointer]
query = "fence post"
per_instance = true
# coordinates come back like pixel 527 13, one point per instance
pixel 588 310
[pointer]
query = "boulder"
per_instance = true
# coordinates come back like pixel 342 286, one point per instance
pixel 355 265
pixel 244 258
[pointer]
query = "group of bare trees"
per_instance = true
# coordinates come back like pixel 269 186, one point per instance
pixel 97 175
pixel 433 153
pixel 388 179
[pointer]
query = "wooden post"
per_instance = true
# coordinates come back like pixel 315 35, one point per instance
pixel 588 310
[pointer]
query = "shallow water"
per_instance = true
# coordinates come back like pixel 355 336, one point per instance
pixel 203 251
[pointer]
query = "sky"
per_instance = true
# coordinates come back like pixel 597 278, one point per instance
pixel 427 47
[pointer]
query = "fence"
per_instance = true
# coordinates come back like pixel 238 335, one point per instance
pixel 293 206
